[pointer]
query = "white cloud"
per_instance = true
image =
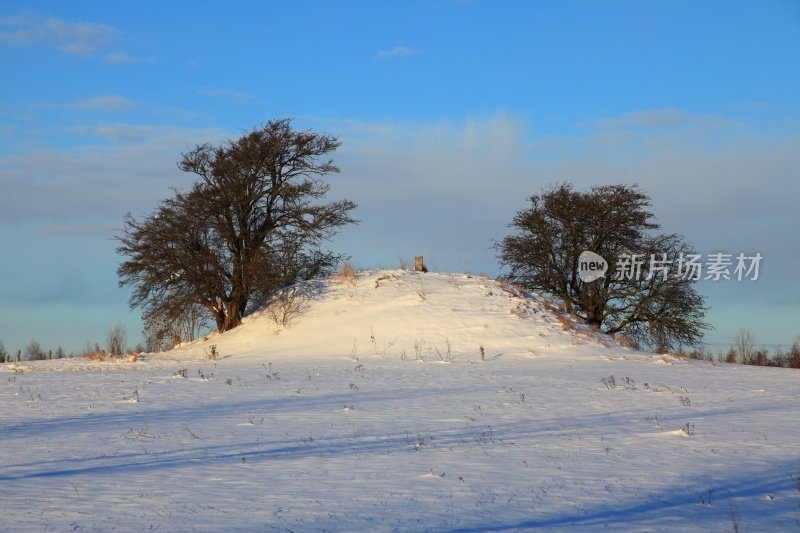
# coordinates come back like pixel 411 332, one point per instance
pixel 397 51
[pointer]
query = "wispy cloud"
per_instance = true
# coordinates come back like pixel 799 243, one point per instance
pixel 120 58
pixel 86 39
pixel 397 51
pixel 6 130
pixel 722 191
pixel 663 118
pixel 463 178
pixel 122 133
pixel 657 118
pixel 229 95
pixel 752 105
pixel 80 38
pixel 21 29
pixel 106 103
pixel 94 185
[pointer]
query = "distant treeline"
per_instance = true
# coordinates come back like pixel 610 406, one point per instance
pixel 116 345
pixel 744 352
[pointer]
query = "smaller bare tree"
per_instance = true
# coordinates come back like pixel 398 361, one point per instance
pixel 167 326
pixel 34 352
pixel 793 357
pixel 116 340
pixel 745 346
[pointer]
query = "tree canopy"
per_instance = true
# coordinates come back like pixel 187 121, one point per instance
pixel 659 308
pixel 254 221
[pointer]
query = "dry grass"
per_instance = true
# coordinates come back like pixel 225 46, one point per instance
pixel 100 355
pixel 103 356
pixel 452 281
pixel 627 342
pixel 347 274
pixel 512 289
pixel 565 320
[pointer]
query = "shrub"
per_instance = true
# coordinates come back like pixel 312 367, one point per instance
pixel 730 357
pixel 286 304
pixel 698 354
pixel 760 358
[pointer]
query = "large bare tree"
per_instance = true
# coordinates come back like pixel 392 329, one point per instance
pixel 253 222
pixel 657 307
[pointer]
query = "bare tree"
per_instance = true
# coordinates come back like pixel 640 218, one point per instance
pixel 116 340
pixel 251 224
pixel 34 352
pixel 745 346
pixel 661 309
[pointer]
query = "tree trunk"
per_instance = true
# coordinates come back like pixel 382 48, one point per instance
pixel 227 313
pixel 233 317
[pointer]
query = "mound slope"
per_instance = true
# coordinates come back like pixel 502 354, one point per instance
pixel 411 315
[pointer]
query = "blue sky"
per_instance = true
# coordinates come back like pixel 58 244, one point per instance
pixel 450 113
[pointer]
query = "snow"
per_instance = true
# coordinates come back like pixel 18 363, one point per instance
pixel 373 410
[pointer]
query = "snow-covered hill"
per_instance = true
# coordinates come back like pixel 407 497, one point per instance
pixel 400 401
pixel 426 316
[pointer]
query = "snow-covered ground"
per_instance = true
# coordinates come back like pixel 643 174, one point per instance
pixel 403 401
